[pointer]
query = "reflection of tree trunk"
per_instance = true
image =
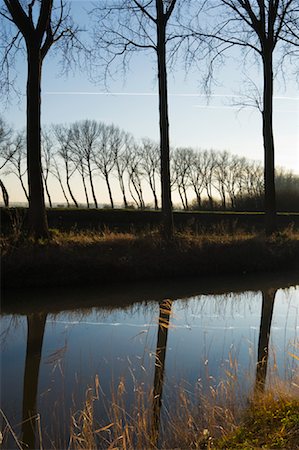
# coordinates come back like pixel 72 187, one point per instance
pixel 35 334
pixel 5 194
pixel 263 346
pixel 164 317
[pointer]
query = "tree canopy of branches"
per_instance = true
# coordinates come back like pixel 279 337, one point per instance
pixel 34 27
pixel 128 26
pixel 269 29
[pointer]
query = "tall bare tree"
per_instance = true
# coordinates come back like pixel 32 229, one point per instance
pixel 34 26
pixel 127 26
pixel 269 29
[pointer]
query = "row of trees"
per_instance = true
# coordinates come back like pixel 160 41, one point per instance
pixel 89 149
pixel 266 28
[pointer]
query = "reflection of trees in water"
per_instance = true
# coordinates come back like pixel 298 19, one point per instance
pixel 164 318
pixel 264 336
pixel 35 333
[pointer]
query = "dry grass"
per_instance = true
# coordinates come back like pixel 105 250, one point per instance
pixel 196 421
pixel 89 257
pixel 220 417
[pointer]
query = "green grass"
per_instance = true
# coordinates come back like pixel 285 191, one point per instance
pixel 269 423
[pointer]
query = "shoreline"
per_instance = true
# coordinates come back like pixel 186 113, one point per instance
pixel 87 259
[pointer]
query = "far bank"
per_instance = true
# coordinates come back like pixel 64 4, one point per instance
pixel 75 258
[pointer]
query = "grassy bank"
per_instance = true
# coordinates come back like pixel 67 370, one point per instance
pixel 216 420
pixel 82 219
pixel 72 258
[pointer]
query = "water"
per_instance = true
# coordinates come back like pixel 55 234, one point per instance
pixel 55 344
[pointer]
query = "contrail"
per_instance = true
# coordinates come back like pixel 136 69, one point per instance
pixel 153 94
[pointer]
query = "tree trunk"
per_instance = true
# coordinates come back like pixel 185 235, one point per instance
pixel 167 214
pixel 47 191
pixel 269 164
pixel 37 217
pixel 109 190
pixel 85 190
pixel 4 194
pixel 63 191
pixel 69 189
pixel 92 186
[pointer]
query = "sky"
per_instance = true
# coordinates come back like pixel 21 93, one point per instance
pixel 131 102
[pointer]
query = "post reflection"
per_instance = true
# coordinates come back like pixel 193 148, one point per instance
pixel 35 334
pixel 164 319
pixel 264 336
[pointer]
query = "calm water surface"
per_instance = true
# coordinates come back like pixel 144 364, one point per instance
pixel 51 355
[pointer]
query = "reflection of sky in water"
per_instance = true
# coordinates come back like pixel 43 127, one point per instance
pixel 203 332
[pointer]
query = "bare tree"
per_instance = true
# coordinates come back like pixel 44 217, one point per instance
pixel 208 167
pixel 56 172
pixel 121 155
pixel 47 147
pixel 127 26
pixel 181 162
pixel 84 139
pixel 6 153
pixel 34 27
pixel 150 165
pixel 269 29
pixel 62 135
pixel 17 162
pixel 221 175
pixel 196 175
pixel 104 153
pixel 135 175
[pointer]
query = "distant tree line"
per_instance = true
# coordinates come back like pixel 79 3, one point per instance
pixel 203 179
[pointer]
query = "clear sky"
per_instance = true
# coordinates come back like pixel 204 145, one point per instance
pixel 132 104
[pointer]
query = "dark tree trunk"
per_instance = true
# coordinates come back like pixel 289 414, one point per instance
pixel 122 187
pixel 92 186
pixel 109 190
pixel 167 214
pixel 63 191
pixel 35 333
pixel 4 194
pixel 85 191
pixel 269 164
pixel 164 317
pixel 263 345
pixel 70 191
pixel 37 217
pixel 47 192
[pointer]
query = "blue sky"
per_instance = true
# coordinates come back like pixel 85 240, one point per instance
pixel 132 104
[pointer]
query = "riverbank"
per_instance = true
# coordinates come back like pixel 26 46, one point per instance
pixel 104 258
